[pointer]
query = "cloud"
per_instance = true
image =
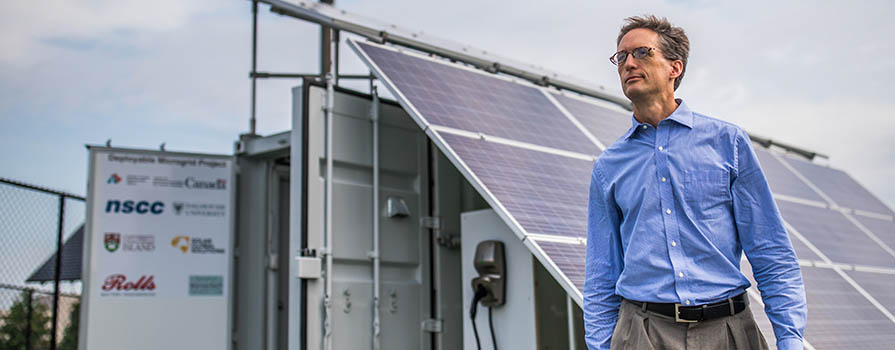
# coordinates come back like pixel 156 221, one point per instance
pixel 26 24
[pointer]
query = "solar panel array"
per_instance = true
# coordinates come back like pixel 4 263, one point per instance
pixel 529 152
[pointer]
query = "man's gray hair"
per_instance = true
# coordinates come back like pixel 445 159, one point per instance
pixel 673 42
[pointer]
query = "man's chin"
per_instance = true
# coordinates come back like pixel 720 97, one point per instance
pixel 634 93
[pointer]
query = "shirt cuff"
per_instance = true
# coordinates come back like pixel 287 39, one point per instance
pixel 789 344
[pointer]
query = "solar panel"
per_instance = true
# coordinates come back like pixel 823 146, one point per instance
pixel 839 317
pixel 569 258
pixel 545 193
pixel 802 250
pixel 835 236
pixel 880 285
pixel 884 229
pixel 451 96
pixel 844 190
pixel 782 180
pixel 606 124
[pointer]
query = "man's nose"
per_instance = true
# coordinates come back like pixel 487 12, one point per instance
pixel 629 63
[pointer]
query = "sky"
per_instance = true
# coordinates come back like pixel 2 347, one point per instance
pixel 138 73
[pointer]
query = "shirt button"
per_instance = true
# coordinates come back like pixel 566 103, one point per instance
pixel 667 211
pixel 673 244
pixel 660 148
pixel 680 274
pixel 643 127
pixel 663 179
pixel 687 301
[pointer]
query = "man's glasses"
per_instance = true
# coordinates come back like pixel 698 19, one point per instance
pixel 619 58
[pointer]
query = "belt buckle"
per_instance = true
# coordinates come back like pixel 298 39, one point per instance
pixel 677 315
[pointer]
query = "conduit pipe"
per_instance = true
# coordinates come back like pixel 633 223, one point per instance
pixel 328 234
pixel 374 118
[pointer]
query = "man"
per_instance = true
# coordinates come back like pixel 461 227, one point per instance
pixel 673 205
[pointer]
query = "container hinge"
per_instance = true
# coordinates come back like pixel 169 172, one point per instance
pixel 449 241
pixel 432 325
pixel 431 222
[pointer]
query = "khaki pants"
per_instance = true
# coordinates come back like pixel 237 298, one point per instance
pixel 644 330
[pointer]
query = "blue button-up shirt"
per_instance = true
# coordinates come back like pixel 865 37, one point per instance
pixel 671 211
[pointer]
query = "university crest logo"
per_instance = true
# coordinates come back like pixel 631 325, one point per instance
pixel 112 241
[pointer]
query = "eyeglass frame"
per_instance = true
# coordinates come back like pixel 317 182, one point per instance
pixel 649 52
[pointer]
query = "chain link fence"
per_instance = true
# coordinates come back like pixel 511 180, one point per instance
pixel 39 288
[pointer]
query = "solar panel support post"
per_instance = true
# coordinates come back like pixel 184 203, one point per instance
pixel 335 34
pixel 326 37
pixel 434 248
pixel 57 272
pixel 328 234
pixel 254 64
pixel 374 119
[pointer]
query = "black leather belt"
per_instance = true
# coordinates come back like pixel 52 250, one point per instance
pixel 697 313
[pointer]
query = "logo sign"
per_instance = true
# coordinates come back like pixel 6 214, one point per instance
pixel 112 241
pixel 138 207
pixel 200 209
pixel 196 245
pixel 204 246
pixel 160 236
pixel 219 184
pixel 118 284
pixel 190 183
pixel 206 285
pixel 113 179
pixel 182 243
pixel 138 243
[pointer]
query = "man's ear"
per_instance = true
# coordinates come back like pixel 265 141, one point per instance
pixel 677 67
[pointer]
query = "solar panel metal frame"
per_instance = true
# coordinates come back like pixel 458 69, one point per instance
pixel 595 104
pixel 446 95
pixel 847 212
pixel 461 166
pixel 856 183
pixel 853 296
pixel 786 160
pixel 794 232
pixel 591 143
pixel 837 230
pixel 471 149
pixel 772 164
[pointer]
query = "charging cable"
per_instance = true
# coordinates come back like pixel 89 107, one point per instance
pixel 479 294
pixel 491 325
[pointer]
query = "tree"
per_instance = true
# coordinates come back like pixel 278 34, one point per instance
pixel 15 323
pixel 70 335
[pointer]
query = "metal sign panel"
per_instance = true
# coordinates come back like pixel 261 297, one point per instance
pixel 158 250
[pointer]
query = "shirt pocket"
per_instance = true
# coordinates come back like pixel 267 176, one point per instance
pixel 707 192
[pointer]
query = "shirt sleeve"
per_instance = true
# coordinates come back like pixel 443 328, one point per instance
pixel 603 265
pixel 768 248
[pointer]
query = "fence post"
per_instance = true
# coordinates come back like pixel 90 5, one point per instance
pixel 30 314
pixel 57 273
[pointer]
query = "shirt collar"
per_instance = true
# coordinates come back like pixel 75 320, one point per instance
pixel 682 115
